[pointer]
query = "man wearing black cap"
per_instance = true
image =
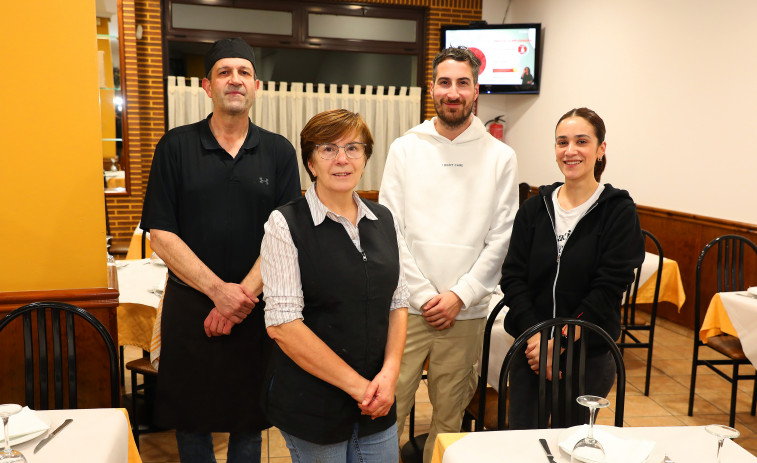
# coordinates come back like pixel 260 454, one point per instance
pixel 212 186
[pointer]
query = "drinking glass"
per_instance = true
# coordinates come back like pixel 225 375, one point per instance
pixel 722 433
pixel 8 455
pixel 589 449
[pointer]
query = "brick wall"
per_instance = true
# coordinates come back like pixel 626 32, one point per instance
pixel 143 83
pixel 142 79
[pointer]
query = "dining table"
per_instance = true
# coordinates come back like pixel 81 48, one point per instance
pixel 671 290
pixel 734 313
pixel 681 444
pixel 97 435
pixel 671 285
pixel 141 281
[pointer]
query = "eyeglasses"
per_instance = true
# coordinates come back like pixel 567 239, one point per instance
pixel 329 151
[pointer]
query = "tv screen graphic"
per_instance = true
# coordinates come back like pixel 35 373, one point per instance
pixel 509 55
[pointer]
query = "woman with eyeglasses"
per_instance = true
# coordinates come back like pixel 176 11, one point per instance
pixel 336 305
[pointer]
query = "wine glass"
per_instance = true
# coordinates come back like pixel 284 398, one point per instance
pixel 721 432
pixel 8 455
pixel 589 449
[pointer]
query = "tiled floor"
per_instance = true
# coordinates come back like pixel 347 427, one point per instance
pixel 666 405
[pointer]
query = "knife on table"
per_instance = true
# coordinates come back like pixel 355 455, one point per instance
pixel 49 438
pixel 546 450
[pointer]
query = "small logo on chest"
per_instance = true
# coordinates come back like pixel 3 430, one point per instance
pixel 263 180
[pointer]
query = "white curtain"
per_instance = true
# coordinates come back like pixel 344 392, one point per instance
pixel 284 108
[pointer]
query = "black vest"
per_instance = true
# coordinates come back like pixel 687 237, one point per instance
pixel 347 297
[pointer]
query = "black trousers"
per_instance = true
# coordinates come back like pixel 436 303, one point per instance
pixel 524 389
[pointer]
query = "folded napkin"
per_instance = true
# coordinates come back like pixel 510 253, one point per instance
pixel 27 421
pixel 617 449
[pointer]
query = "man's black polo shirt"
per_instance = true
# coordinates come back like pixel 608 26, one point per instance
pixel 215 203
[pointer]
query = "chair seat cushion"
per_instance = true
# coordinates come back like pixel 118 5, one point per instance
pixel 142 366
pixel 728 345
pixel 492 401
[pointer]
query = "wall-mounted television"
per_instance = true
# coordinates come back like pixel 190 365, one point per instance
pixel 509 53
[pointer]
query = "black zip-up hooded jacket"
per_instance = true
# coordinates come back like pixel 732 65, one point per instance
pixel 588 280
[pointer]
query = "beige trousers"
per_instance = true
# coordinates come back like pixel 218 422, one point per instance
pixel 452 373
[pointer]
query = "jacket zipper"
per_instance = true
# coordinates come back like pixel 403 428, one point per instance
pixel 557 273
pixel 367 292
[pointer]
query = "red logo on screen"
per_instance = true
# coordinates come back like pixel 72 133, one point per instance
pixel 480 55
pixel 522 49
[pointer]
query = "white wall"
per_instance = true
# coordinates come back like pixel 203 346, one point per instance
pixel 675 82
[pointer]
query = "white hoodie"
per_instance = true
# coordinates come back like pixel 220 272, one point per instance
pixel 454 202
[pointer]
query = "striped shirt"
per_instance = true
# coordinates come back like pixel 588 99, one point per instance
pixel 280 268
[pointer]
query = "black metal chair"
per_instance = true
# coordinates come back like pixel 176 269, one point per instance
pixel 38 352
pixel 412 451
pixel 486 397
pixel 562 408
pixel 524 191
pixel 143 242
pixel 730 277
pixel 629 325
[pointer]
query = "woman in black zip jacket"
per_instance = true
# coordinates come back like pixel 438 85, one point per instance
pixel 573 251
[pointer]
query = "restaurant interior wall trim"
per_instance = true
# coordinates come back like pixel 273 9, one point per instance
pixel 143 75
pixel 51 183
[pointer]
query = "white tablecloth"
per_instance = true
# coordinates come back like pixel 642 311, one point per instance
pixel 500 343
pixel 137 277
pixel 137 281
pixel 742 311
pixel 683 444
pixel 95 436
pixel 648 267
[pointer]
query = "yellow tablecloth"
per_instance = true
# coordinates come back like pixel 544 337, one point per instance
pixel 671 286
pixel 716 321
pixel 116 182
pixel 443 441
pixel 136 326
pixel 135 246
pixel 133 450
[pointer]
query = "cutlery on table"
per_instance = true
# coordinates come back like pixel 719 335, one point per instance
pixel 52 434
pixel 546 450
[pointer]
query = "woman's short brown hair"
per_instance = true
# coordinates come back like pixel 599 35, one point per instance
pixel 330 126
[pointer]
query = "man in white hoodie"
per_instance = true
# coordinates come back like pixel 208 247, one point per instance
pixel 453 190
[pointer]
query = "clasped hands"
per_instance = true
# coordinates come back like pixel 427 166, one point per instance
pixel 233 302
pixel 378 397
pixel 440 311
pixel 533 348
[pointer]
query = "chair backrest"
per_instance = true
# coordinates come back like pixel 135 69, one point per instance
pixel 54 311
pixel 563 407
pixel 629 304
pixel 524 191
pixel 484 377
pixel 731 253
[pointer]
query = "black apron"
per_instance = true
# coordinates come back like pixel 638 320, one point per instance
pixel 209 384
